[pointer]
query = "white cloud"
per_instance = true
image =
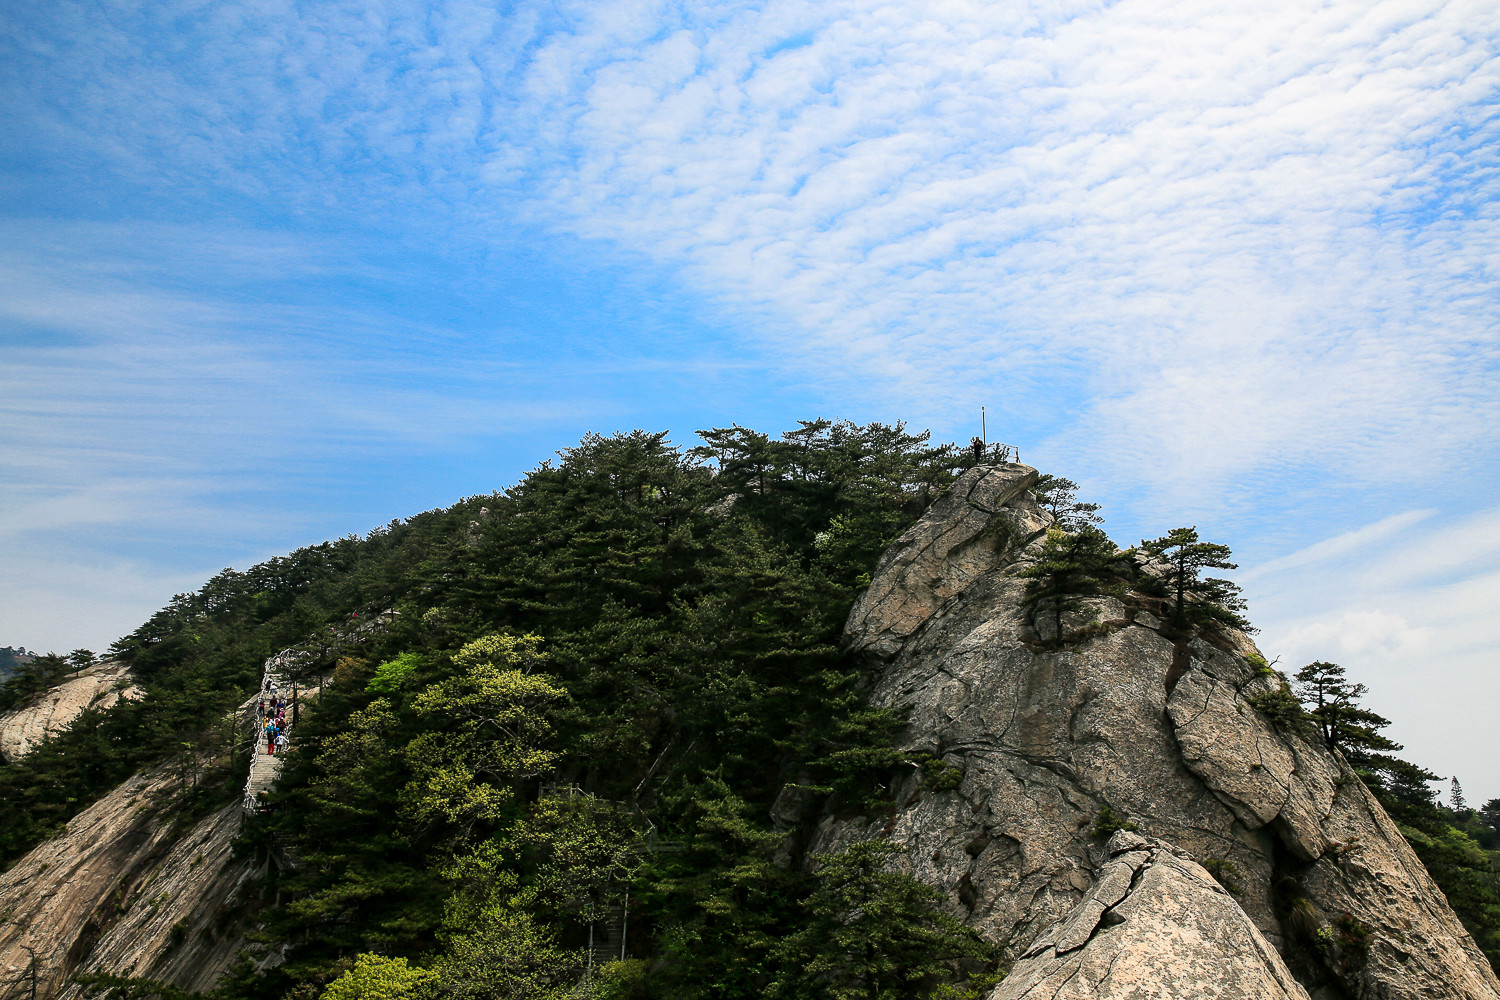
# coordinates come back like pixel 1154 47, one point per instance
pixel 1361 634
pixel 1265 233
pixel 1407 606
pixel 1228 239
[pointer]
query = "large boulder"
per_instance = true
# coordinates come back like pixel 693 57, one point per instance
pixel 1154 924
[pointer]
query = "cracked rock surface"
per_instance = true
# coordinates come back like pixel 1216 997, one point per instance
pixel 1154 924
pixel 1158 727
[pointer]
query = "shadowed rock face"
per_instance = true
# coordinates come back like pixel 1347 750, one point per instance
pixel 1161 730
pixel 125 893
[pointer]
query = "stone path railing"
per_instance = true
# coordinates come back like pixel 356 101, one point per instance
pixel 266 767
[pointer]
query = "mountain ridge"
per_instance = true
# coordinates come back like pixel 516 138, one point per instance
pixel 672 633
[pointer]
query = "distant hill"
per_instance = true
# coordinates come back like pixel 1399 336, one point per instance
pixel 13 657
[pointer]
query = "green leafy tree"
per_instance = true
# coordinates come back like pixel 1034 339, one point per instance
pixel 392 675
pixel 358 855
pixel 872 933
pixel 490 729
pixel 31 678
pixel 375 977
pixel 1069 567
pixel 1332 703
pixel 506 955
pixel 580 854
pixel 1196 599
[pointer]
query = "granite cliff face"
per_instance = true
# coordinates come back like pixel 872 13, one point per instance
pixel 128 892
pixel 1320 894
pixel 98 687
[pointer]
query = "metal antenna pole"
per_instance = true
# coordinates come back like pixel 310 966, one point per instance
pixel 984 433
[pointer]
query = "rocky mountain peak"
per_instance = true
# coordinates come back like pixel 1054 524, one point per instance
pixel 1262 866
pixel 973 529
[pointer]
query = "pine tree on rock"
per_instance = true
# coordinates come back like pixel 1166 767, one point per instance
pixel 1197 601
pixel 1333 704
pixel 1059 497
pixel 1070 567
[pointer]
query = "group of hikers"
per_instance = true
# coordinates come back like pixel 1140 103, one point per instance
pixel 271 712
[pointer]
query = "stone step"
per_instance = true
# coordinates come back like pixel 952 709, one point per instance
pixel 265 767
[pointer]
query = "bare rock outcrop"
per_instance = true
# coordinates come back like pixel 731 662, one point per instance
pixel 124 891
pixel 964 536
pixel 1154 726
pixel 97 687
pixel 1154 924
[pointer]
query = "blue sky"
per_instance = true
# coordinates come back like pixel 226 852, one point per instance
pixel 273 272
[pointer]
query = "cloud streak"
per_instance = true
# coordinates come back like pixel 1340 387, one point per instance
pixel 1407 606
pixel 1233 239
pixel 1258 235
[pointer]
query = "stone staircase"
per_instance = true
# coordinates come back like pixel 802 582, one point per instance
pixel 265 768
pixel 606 935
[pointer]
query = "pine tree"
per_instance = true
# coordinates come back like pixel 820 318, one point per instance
pixel 1060 498
pixel 1070 566
pixel 1456 797
pixel 1489 814
pixel 1333 704
pixel 1195 600
pixel 873 933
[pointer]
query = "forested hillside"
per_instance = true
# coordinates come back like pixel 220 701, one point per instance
pixel 12 658
pixel 592 721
